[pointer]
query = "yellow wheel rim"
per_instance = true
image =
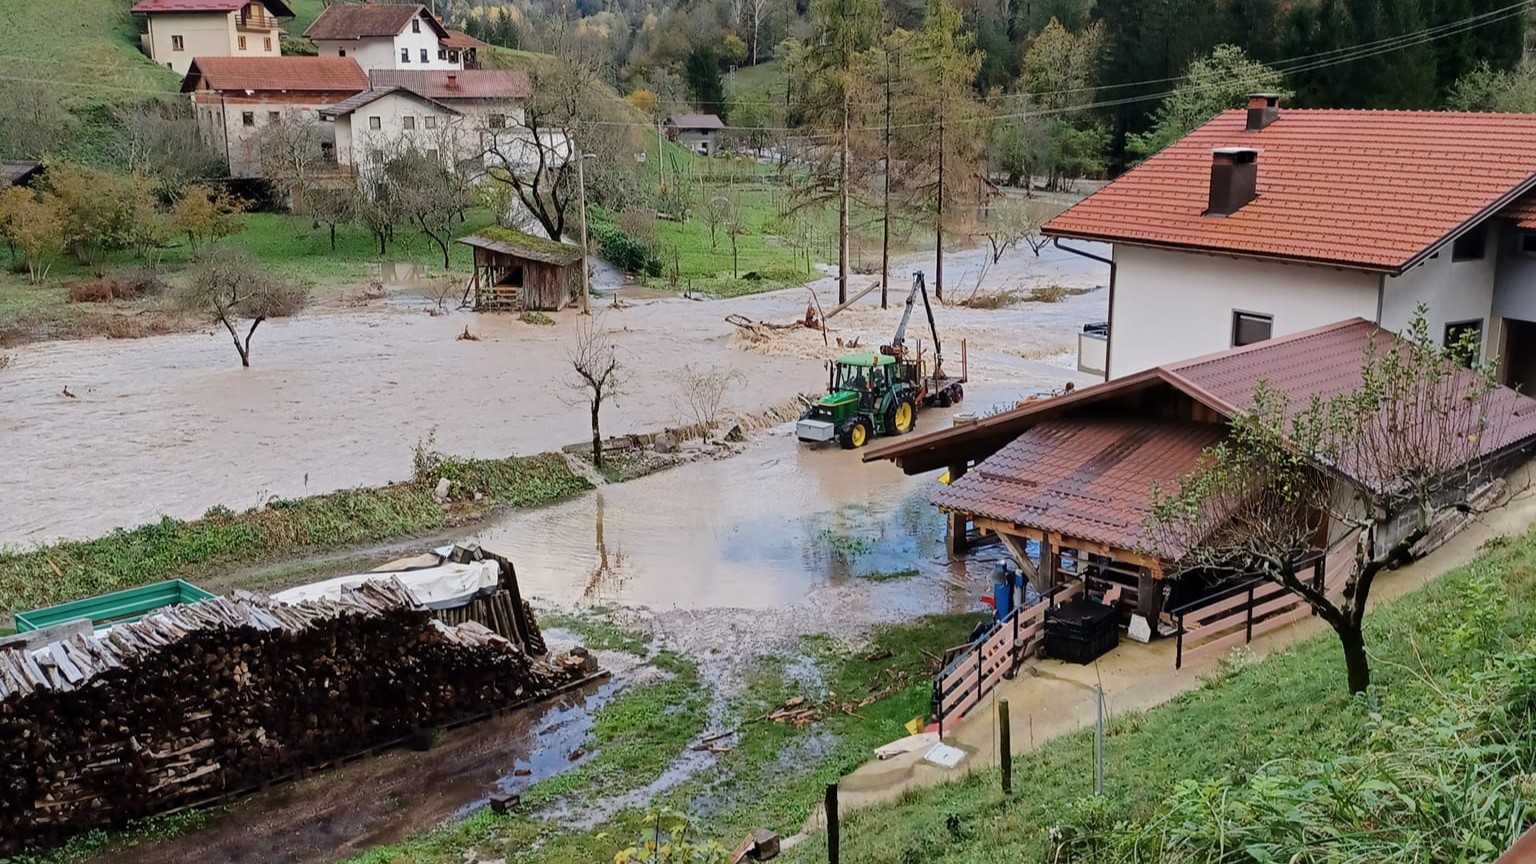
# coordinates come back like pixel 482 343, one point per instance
pixel 857 435
pixel 904 417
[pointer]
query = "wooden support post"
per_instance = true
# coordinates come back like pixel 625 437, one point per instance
pixel 1005 746
pixel 1049 558
pixel 1148 597
pixel 832 838
pixel 958 541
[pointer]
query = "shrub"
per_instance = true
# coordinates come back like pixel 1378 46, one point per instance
pixel 123 286
pixel 625 252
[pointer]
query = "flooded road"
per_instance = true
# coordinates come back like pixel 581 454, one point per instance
pixel 172 425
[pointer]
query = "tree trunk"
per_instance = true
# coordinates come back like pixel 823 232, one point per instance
pixel 597 437
pixel 885 203
pixel 1355 659
pixel 842 212
pixel 938 225
pixel 333 236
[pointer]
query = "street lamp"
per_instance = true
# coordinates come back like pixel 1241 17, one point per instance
pixel 581 192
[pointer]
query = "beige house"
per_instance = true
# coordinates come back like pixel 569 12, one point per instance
pixel 238 99
pixel 179 30
pixel 374 125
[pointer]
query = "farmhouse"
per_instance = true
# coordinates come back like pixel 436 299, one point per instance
pixel 698 132
pixel 1270 221
pixel 176 31
pixel 375 124
pixel 387 36
pixel 238 98
pixel 1068 483
pixel 518 271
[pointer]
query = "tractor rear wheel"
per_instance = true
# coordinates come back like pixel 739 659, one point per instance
pixel 855 436
pixel 902 417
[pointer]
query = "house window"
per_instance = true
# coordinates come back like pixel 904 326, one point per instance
pixel 274 117
pixel 1464 340
pixel 496 121
pixel 375 123
pixel 247 118
pixel 1469 246
pixel 408 123
pixel 415 25
pixel 328 151
pixel 1250 327
pixel 442 54
pixel 177 44
pixel 405 55
pixel 242 43
pixel 424 56
pixel 434 156
pixel 431 121
pixel 341 52
pixel 1528 243
pixel 268 40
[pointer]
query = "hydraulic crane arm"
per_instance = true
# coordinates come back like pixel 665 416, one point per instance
pixel 898 347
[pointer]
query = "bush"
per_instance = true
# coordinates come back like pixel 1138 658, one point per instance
pixel 625 252
pixel 122 286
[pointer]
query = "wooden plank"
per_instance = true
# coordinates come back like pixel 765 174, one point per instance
pixel 1215 646
pixel 1268 624
pixel 1202 616
pixel 966 671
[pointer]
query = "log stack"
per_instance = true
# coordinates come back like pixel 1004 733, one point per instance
pixel 197 702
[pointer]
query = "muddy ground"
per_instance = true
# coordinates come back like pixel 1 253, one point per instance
pixel 173 425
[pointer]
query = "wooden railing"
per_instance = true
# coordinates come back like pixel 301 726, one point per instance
pixel 1234 616
pixel 980 666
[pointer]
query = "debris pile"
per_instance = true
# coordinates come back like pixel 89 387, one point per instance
pixel 199 702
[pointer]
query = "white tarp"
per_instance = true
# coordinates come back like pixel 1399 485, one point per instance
pixel 442 587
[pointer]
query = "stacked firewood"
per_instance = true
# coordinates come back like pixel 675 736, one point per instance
pixel 200 701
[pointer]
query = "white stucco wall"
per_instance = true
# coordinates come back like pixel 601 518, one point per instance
pixel 1454 291
pixel 222 124
pixel 414 42
pixel 1171 305
pixel 355 137
pixel 204 34
pixel 384 53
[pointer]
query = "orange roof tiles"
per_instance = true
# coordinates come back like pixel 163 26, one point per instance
pixel 369 21
pixel 1522 212
pixel 1367 189
pixel 1090 479
pixel 329 74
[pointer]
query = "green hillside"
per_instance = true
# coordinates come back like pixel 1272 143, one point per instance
pixel 87 50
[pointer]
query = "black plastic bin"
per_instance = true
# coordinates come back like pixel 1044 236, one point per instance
pixel 1081 631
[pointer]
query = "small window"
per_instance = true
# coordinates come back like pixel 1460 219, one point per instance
pixel 442 54
pixel 268 40
pixel 408 123
pixel 328 151
pixel 1528 244
pixel 1469 246
pixel 1249 327
pixel 375 123
pixel 433 155
pixel 431 121
pixel 177 44
pixel 1464 340
pixel 496 121
pixel 341 52
pixel 405 55
pixel 242 43
pixel 274 116
pixel 415 25
pixel 247 118
pixel 424 58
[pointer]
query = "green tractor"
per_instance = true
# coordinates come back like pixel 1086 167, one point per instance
pixel 880 393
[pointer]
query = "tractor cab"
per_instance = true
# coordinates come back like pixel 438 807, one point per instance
pixel 867 395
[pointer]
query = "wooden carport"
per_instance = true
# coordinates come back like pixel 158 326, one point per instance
pixel 521 272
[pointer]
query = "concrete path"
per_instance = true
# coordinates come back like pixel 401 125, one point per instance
pixel 1050 698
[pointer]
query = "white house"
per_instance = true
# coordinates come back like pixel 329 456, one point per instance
pixel 175 31
pixel 490 103
pixel 380 36
pixel 376 124
pixel 1267 222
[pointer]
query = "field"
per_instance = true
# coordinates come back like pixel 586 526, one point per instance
pixel 87 48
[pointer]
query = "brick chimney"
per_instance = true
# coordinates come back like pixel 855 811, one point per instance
pixel 1234 179
pixel 1263 109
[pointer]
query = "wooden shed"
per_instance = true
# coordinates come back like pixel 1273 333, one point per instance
pixel 518 271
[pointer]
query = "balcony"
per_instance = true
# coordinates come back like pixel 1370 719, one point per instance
pixel 1093 349
pixel 254 19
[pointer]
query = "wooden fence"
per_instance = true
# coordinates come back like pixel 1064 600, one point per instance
pixel 1234 616
pixel 980 666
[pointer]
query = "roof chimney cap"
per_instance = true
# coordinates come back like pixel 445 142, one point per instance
pixel 1234 155
pixel 1263 109
pixel 1234 180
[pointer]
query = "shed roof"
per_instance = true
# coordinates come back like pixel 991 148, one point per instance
pixel 317 74
pixel 369 20
pixel 447 85
pixel 1374 190
pixel 696 121
pixel 17 173
pixel 347 106
pixel 461 40
pixel 509 241
pixel 1090 479
pixel 145 7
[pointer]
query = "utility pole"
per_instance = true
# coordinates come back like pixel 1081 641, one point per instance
pixel 842 211
pixel 938 224
pixel 661 179
pixel 581 191
pixel 885 218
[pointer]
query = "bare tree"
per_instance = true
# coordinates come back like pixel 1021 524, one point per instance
pixel 1011 223
pixel 717 214
pixel 35 122
pixel 425 192
pixel 1383 462
pixel 228 286
pixel 290 153
pixel 596 375
pixel 162 140
pixel 702 392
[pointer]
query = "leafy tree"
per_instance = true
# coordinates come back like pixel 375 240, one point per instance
pixel 1488 89
pixel 1223 79
pixel 703 73
pixel 205 214
pixel 1412 433
pixel 101 208
pixel 228 286
pixel 33 224
pixel 332 204
pixel 1061 67
pixel 427 193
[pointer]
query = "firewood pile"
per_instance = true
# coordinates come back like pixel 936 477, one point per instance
pixel 197 702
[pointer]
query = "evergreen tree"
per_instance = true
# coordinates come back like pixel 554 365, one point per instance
pixel 703 73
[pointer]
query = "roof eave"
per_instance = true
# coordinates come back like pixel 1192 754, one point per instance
pixel 1057 233
pixel 1480 217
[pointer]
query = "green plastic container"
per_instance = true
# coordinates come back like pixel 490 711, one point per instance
pixel 128 605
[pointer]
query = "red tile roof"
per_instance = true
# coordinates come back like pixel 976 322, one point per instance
pixel 368 21
pixel 1522 212
pixel 1368 189
pixel 449 85
pixel 276 7
pixel 331 74
pixel 1090 479
pixel 461 40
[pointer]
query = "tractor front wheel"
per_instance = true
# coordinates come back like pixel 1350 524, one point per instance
pixel 855 436
pixel 903 417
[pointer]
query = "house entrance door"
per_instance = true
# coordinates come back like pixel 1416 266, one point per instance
pixel 1519 363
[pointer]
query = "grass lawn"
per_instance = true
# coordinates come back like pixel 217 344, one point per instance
pixel 89 49
pixel 761 83
pixel 1207 744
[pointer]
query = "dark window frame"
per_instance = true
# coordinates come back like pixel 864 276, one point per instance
pixel 405 55
pixel 1453 331
pixel 1240 316
pixel 247 118
pixel 374 122
pixel 415 25
pixel 178 43
pixel 1528 237
pixel 408 122
pixel 424 56
pixel 1461 247
pixel 430 121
